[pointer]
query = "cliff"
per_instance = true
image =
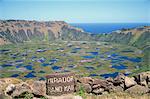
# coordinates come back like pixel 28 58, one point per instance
pixel 136 36
pixel 18 31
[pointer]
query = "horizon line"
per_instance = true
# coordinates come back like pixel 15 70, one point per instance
pixel 68 22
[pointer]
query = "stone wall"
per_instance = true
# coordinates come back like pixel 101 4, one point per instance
pixel 139 84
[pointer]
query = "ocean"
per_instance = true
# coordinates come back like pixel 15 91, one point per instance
pixel 98 28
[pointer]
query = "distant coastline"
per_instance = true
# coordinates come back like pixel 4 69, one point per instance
pixel 98 28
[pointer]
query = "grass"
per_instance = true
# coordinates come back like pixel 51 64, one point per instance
pixel 63 60
pixel 81 93
pixel 119 95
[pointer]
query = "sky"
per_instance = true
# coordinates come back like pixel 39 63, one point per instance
pixel 77 11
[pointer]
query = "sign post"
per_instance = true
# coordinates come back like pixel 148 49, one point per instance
pixel 60 83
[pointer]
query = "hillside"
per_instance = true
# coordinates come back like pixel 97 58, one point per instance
pixel 18 31
pixel 136 36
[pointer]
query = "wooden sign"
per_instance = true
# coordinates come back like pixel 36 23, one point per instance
pixel 60 83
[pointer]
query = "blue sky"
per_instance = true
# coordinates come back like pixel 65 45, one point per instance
pixel 77 11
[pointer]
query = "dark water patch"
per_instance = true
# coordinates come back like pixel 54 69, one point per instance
pixel 41 71
pixel 116 60
pixel 15 75
pixel 24 54
pixel 41 60
pixel 63 54
pixel 56 68
pixel 33 72
pixel 4 51
pixel 60 49
pixel 102 56
pixel 88 57
pixel 30 75
pixel 120 67
pixel 34 56
pixel 93 53
pixel 127 73
pixel 71 66
pixel 93 75
pixel 114 49
pixel 19 61
pixel 13 56
pixel 127 51
pixel 41 50
pixel 84 43
pixel 28 67
pixel 107 53
pixel 70 60
pixel 30 63
pixel 65 71
pixel 42 78
pixel 73 52
pixel 7 65
pixel 114 54
pixel 52 61
pixel 69 45
pixel 76 49
pixel 97 48
pixel 112 75
pixel 45 64
pixel 89 68
pixel 137 59
pixel 19 65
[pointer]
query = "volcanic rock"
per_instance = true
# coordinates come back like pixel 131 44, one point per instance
pixel 129 82
pixel 138 89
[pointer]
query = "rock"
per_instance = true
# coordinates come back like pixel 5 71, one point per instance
pixel 85 80
pixel 38 88
pixel 129 82
pixel 143 76
pixel 137 89
pixel 21 88
pixel 99 83
pixel 105 92
pixel 96 86
pixel 117 89
pixel 10 80
pixel 102 83
pixel 3 96
pixel 98 91
pixel 10 88
pixel 144 83
pixel 137 78
pixel 109 80
pixel 87 88
pixel 119 79
pixel 4 82
pixel 77 86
